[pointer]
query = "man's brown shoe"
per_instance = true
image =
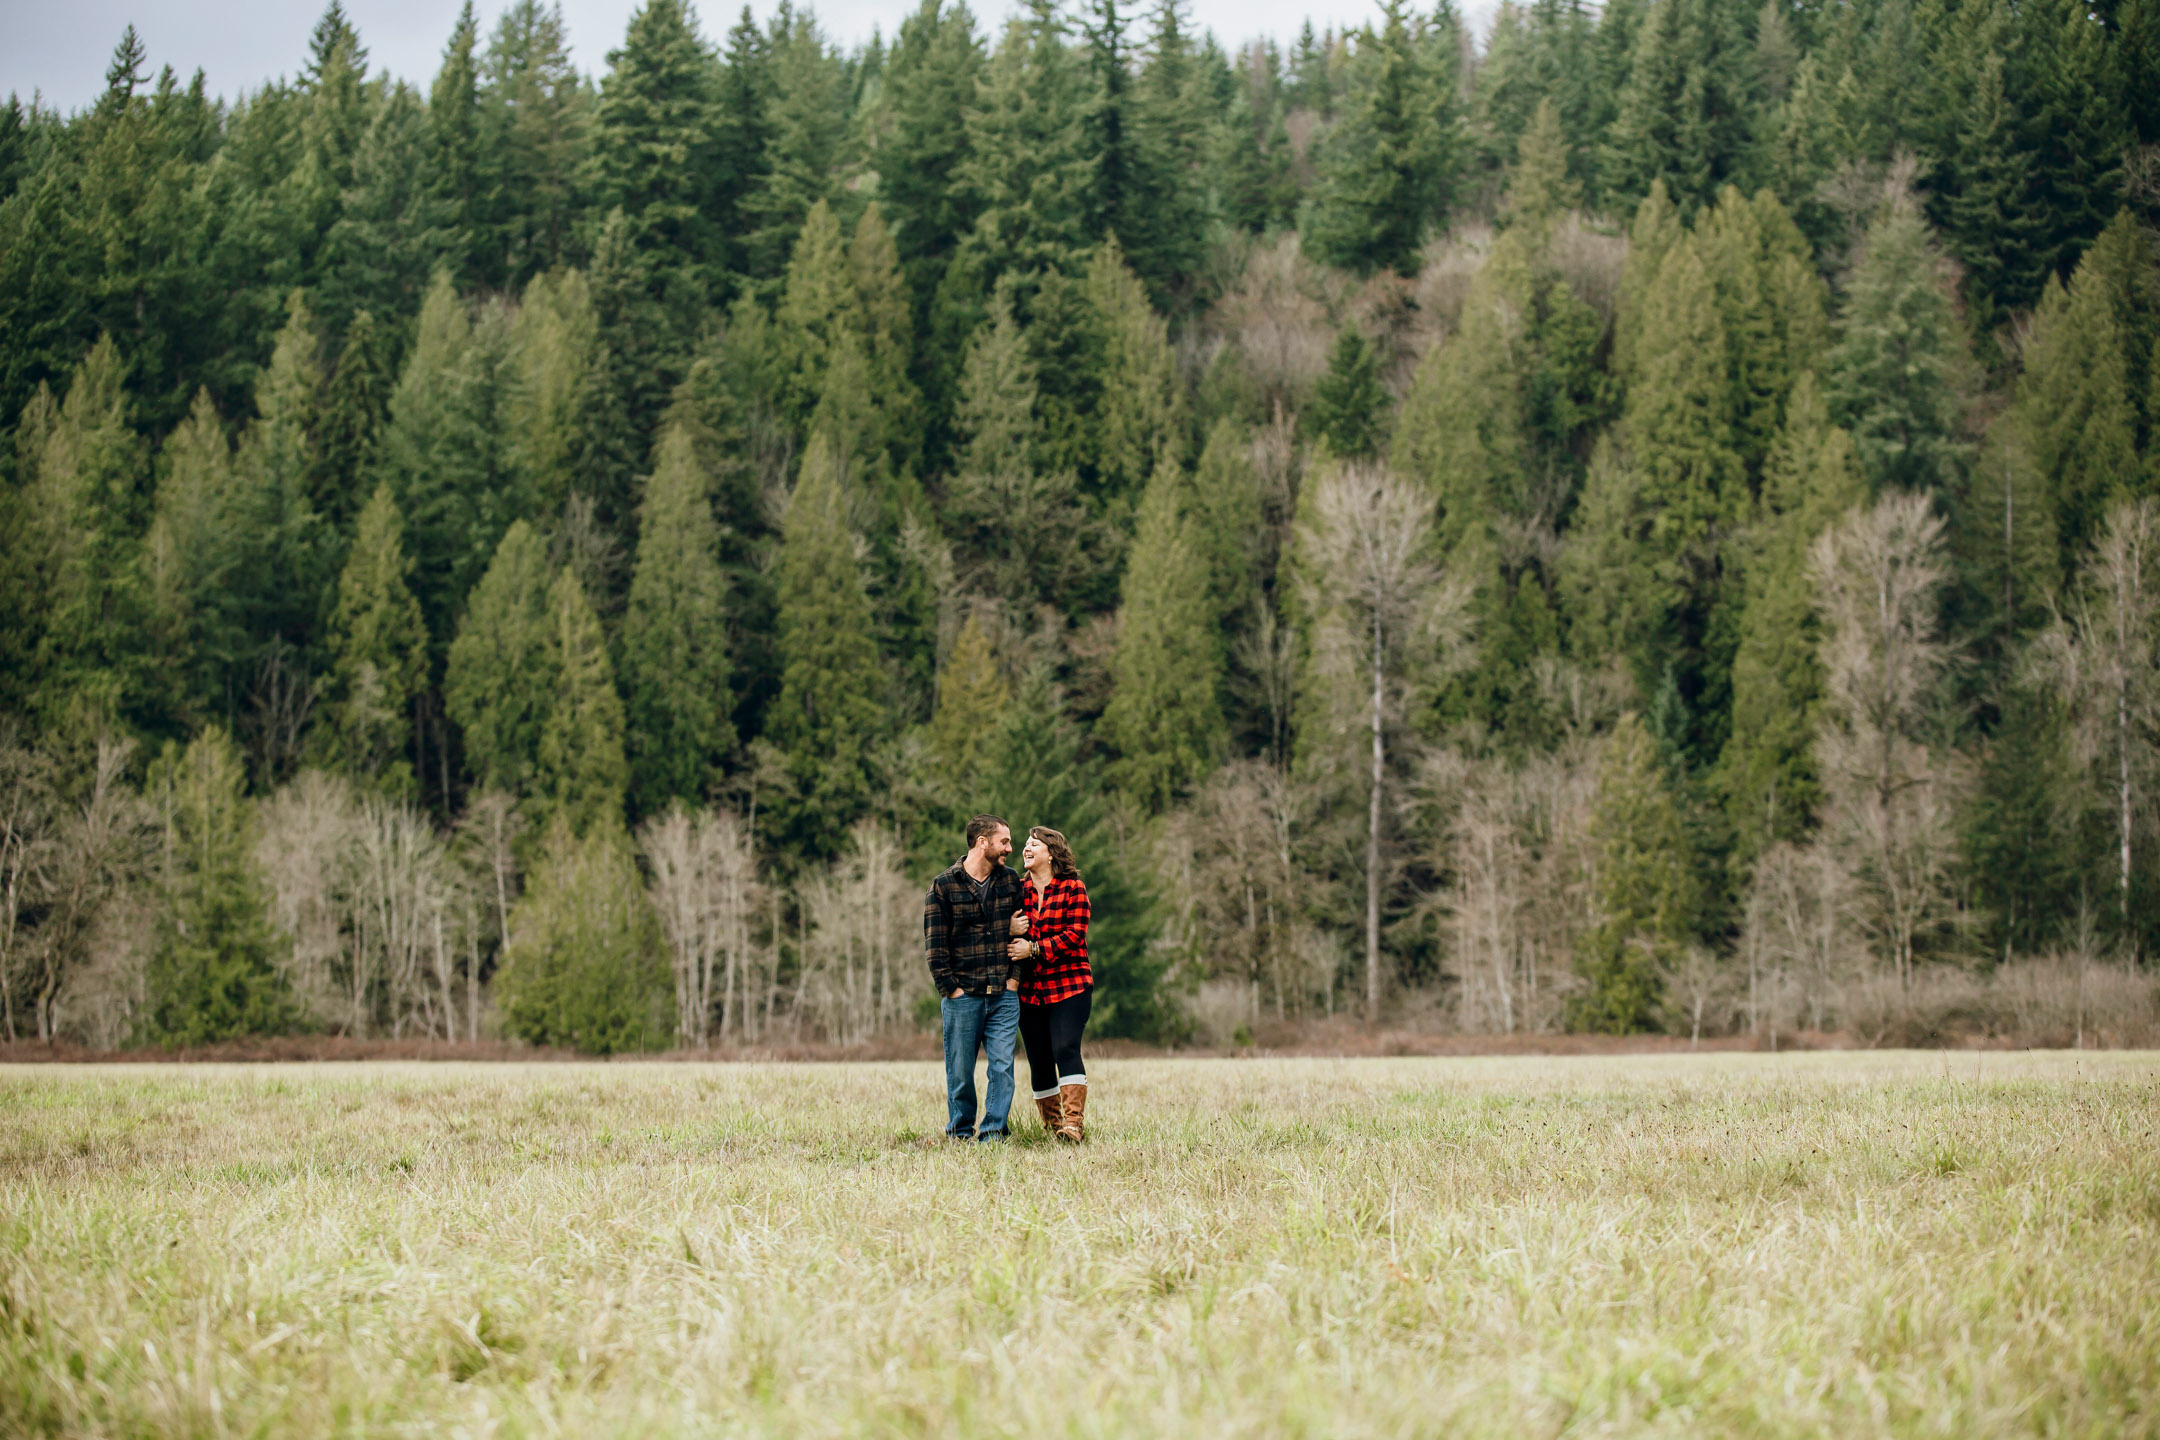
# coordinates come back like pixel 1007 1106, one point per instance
pixel 1073 1126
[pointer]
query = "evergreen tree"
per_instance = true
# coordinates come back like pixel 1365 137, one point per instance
pixel 1688 112
pixel 1656 230
pixel 1767 771
pixel 742 138
pixel 581 774
pixel 1028 169
pixel 1035 765
pixel 1898 369
pixel 1646 893
pixel 1163 229
pixel 818 306
pixel 379 649
pixel 971 697
pixel 283 562
pixel 1542 187
pixel 190 558
pixel 1227 524
pixel 1165 710
pixel 1985 209
pixel 806 131
pixel 501 682
pixel 887 326
pixel 585 968
pixel 675 662
pixel 556 434
pixel 2075 411
pixel 929 86
pixel 1349 407
pixel 831 707
pixel 442 452
pixel 652 140
pixel 86 596
pixel 353 407
pixel 1387 168
pixel 457 164
pixel 1137 419
pixel 214 970
pixel 2022 844
pixel 535 114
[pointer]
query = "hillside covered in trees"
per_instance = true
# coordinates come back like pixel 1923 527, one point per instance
pixel 1645 517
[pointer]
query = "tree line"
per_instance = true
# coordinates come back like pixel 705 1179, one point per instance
pixel 1640 518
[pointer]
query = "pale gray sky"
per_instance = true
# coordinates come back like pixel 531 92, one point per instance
pixel 62 48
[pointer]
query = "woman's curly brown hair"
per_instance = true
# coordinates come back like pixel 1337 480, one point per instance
pixel 1062 864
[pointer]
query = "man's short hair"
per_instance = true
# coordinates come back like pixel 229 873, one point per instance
pixel 983 825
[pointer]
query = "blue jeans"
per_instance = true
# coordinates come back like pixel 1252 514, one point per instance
pixel 988 1023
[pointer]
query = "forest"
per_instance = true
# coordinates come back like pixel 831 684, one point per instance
pixel 1644 518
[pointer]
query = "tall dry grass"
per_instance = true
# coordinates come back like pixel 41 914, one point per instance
pixel 1820 1244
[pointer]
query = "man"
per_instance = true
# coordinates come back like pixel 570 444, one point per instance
pixel 967 924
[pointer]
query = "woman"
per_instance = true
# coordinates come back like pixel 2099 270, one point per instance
pixel 1057 987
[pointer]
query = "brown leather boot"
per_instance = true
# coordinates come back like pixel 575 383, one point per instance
pixel 1052 1109
pixel 1073 1128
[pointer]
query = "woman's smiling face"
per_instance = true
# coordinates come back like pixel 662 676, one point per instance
pixel 1034 853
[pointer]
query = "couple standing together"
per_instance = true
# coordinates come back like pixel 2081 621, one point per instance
pixel 1009 953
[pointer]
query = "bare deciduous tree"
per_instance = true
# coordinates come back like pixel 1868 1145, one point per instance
pixel 1383 613
pixel 1878 577
pixel 706 891
pixel 861 939
pixel 2103 656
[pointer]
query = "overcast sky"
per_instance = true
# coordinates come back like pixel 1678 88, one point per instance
pixel 62 49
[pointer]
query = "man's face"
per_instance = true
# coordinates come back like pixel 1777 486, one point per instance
pixel 996 845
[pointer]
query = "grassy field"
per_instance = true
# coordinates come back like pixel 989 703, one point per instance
pixel 1912 1244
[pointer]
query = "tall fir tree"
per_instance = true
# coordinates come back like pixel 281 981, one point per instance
pixel 1898 371
pixel 1387 170
pixel 442 452
pixel 674 646
pixel 355 402
pixel 379 652
pixel 1348 414
pixel 501 681
pixel 1165 711
pixel 581 773
pixel 1138 419
pixel 1647 895
pixel 972 695
pixel 652 139
pixel 831 710
pixel 1767 771
pixel 1028 167
pixel 2075 411
pixel 213 972
pixel 557 434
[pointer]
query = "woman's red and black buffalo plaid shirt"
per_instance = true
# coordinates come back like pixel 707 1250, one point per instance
pixel 1057 921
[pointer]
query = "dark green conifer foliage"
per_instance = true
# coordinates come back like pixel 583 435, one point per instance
pixel 2022 831
pixel 1646 887
pixel 1028 171
pixel 675 662
pixel 1348 413
pixel 1987 214
pixel 213 974
pixel 581 774
pixel 806 130
pixel 1897 372
pixel 652 136
pixel 457 163
pixel 1688 112
pixel 535 114
pixel 1139 420
pixel 929 87
pixel 831 709
pixel 1767 771
pixel 557 431
pixel 1066 345
pixel 2074 409
pixel 379 652
pixel 2067 81
pixel 501 683
pixel 1165 711
pixel 2126 262
pixel 1655 231
pixel 190 558
pixel 85 489
pixel 442 452
pixel 1388 167
pixel 585 968
pixel 284 562
pixel 1162 230
pixel 1228 524
pixel 353 408
pixel 1034 767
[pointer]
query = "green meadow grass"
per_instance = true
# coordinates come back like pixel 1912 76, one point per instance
pixel 1908 1244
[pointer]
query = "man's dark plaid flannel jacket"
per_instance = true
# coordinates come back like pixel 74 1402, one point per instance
pixel 966 937
pixel 1058 922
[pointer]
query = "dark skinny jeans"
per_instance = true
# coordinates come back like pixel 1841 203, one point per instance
pixel 1051 1034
